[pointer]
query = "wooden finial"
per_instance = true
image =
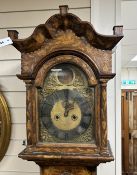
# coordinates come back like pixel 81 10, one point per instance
pixel 13 34
pixel 118 30
pixel 63 9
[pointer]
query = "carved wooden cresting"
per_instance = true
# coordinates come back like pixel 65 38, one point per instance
pixel 66 65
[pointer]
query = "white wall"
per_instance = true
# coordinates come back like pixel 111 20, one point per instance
pixel 104 15
pixel 129 74
pixel 129 43
pixel 24 16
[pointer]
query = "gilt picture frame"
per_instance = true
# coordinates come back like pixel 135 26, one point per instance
pixel 5 126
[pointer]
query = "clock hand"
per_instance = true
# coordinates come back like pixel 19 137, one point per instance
pixel 66 102
pixel 68 107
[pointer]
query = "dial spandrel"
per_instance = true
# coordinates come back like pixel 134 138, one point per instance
pixel 66 109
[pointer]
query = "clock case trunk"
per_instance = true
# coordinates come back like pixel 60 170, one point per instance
pixel 62 37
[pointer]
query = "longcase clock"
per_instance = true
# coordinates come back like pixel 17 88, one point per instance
pixel 66 65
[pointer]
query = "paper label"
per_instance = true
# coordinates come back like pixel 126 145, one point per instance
pixel 5 41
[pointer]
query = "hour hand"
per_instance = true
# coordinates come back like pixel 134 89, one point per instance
pixel 68 106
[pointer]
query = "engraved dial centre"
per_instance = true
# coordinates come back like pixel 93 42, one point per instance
pixel 65 118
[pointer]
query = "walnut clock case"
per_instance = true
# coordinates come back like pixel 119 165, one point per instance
pixel 66 65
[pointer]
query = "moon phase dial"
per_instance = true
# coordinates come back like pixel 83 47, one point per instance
pixel 65 114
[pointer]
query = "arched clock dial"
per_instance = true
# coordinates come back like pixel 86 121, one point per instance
pixel 66 106
pixel 66 114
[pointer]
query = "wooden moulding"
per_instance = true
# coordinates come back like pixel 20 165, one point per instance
pixel 47 157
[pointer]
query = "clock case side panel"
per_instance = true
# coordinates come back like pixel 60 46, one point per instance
pixel 31 94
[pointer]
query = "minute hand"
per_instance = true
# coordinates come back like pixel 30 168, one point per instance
pixel 68 107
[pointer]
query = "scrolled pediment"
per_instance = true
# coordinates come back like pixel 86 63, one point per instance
pixel 63 22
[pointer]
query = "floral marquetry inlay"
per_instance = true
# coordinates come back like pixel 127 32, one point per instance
pixel 67 40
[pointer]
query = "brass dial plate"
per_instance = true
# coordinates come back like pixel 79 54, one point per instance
pixel 66 119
